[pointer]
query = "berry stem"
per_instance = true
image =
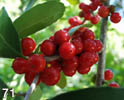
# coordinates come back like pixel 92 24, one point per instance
pixel 48 59
pixel 32 88
pixel 102 54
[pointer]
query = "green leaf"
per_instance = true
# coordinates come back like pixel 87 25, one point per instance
pixel 39 17
pixel 77 27
pixel 2 85
pixel 74 2
pixel 9 39
pixel 36 95
pixel 62 83
pixel 105 93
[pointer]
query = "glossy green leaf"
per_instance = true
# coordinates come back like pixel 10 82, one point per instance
pixel 93 94
pixel 62 83
pixel 74 2
pixel 39 17
pixel 2 85
pixel 36 95
pixel 9 39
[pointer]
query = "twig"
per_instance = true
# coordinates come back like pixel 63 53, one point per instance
pixel 51 58
pixel 102 55
pixel 32 88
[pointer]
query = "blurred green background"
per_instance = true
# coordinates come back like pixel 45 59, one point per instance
pixel 114 52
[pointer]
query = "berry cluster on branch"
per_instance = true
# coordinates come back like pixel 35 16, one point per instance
pixel 77 52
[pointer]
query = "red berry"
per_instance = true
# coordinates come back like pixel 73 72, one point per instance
pixel 37 63
pixel 69 71
pixel 103 11
pixel 89 45
pixel 29 77
pixel 48 48
pixel 79 32
pixel 114 85
pixel 70 66
pixel 87 16
pixel 28 45
pixel 61 36
pixel 78 44
pixel 95 19
pixel 88 58
pixel 98 45
pixel 115 17
pixel 108 74
pixel 96 57
pixel 88 34
pixel 55 63
pixel 93 6
pixel 84 7
pixel 50 76
pixel 74 21
pixel 73 62
pixel 83 70
pixel 51 38
pixel 67 50
pixel 20 65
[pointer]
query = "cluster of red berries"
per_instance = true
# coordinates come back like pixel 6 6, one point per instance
pixel 108 75
pixel 103 11
pixel 77 52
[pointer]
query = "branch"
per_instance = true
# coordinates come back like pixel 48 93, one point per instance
pixel 32 88
pixel 102 55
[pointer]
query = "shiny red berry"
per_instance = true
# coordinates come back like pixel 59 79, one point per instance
pixel 48 48
pixel 61 36
pixel 67 50
pixel 56 64
pixel 114 85
pixel 87 16
pixel 115 17
pixel 89 45
pixel 88 58
pixel 70 66
pixel 73 62
pixel 50 76
pixel 29 77
pixel 74 21
pixel 83 70
pixel 96 57
pixel 93 6
pixel 20 65
pixel 37 63
pixel 28 45
pixel 88 34
pixel 52 38
pixel 98 45
pixel 69 71
pixel 84 7
pixel 103 11
pixel 108 75
pixel 78 44
pixel 95 19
